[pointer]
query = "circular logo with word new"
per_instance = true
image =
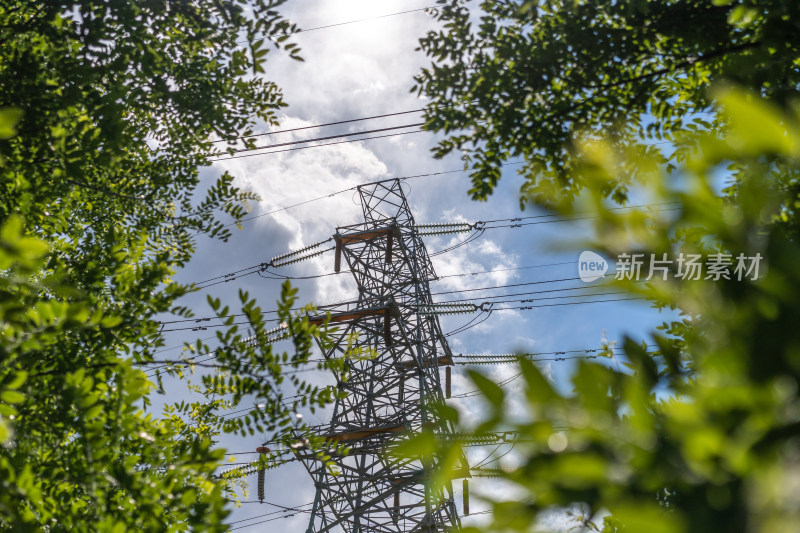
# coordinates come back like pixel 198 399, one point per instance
pixel 591 266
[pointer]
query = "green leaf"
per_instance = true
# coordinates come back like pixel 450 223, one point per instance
pixel 111 321
pixel 12 396
pixel 490 390
pixel 9 118
pixel 538 390
pixel 422 444
pixel 5 431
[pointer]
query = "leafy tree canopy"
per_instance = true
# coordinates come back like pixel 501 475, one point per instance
pixel 107 109
pixel 522 79
pixel 698 430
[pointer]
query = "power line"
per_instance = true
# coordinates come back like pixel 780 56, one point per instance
pixel 314 146
pixel 504 270
pixel 336 24
pixel 444 228
pixel 325 138
pixel 492 287
pixel 523 294
pixel 283 512
pixel 204 328
pixel 322 307
pixel 466 241
pixel 527 307
pixel 274 275
pixel 478 227
pixel 571 219
pixel 456 291
pixel 403 178
pixel 362 20
pixel 349 189
pixel 474 359
pixel 487 312
pixel 325 125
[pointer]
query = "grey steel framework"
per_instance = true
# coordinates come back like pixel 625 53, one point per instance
pixel 388 395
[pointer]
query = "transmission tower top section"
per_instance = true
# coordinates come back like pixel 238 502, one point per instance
pixel 389 393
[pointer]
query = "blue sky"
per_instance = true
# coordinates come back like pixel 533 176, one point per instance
pixel 364 69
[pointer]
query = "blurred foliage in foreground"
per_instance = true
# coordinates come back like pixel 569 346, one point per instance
pixel 705 436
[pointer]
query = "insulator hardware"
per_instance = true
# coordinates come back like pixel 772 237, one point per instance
pixel 275 334
pixel 440 225
pixel 274 261
pixel 262 467
pixel 489 358
pixel 447 309
pixel 396 508
pixel 337 260
pixel 389 241
pixel 465 493
pixel 447 380
pixel 488 362
pixel 238 471
pixel 488 472
pixel 491 355
pixel 387 328
pixel 289 261
pixel 443 228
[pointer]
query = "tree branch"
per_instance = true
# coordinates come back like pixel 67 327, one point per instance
pixel 685 63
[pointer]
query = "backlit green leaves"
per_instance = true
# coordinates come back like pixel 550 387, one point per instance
pixel 674 436
pixel 523 80
pixel 9 117
pixel 108 112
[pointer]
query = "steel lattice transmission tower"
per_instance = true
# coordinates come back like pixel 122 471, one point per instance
pixel 389 395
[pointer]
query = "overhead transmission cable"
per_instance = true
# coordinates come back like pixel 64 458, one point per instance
pixel 458 307
pixel 503 358
pixel 367 19
pixel 445 228
pixel 427 229
pixel 322 307
pixel 486 312
pixel 348 22
pixel 306 141
pixel 242 155
pixel 314 126
pixel 455 291
pixel 353 188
